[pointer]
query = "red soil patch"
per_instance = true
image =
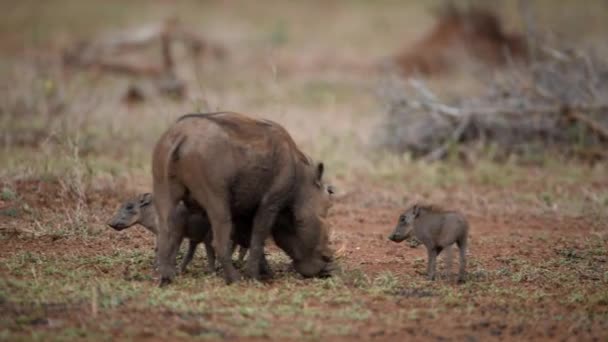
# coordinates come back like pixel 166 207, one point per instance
pixel 361 224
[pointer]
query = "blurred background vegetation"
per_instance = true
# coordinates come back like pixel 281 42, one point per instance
pixel 72 99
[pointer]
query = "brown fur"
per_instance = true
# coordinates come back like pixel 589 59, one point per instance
pixel 251 180
pixel 437 229
pixel 475 34
pixel 140 210
pixel 431 208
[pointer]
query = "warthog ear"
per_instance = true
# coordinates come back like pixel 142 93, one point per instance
pixel 319 174
pixel 145 199
pixel 416 210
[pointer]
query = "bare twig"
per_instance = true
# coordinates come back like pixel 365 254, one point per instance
pixel 592 124
pixel 441 152
pixel 423 89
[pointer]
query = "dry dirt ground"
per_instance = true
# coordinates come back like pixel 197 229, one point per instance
pixel 71 150
pixel 530 276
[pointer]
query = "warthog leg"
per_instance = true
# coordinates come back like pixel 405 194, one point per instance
pixel 265 270
pixel 189 256
pixel 169 240
pixel 170 234
pixel 210 258
pixel 432 263
pixel 242 253
pixel 155 261
pixel 448 262
pixel 221 223
pixel 262 225
pixel 462 247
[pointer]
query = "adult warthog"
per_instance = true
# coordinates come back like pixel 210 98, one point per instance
pixel 252 180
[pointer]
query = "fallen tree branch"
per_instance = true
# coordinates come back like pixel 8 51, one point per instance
pixel 441 152
pixel 592 124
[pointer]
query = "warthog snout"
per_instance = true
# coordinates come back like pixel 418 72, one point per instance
pixel 116 224
pixel 328 270
pixel 134 210
pixel 310 270
pixel 404 228
pixel 319 267
pixel 396 237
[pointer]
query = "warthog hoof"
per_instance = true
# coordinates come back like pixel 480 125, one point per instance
pixel 253 272
pixel 209 270
pixel 182 269
pixel 329 270
pixel 231 276
pixel 265 270
pixel 266 275
pixel 164 281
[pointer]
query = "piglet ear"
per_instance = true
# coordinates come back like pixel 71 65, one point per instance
pixel 319 174
pixel 416 210
pixel 320 169
pixel 145 199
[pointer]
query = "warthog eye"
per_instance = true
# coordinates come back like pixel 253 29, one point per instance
pixel 129 206
pixel 402 218
pixel 330 190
